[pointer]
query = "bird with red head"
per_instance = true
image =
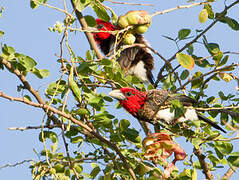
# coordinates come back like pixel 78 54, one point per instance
pixel 145 105
pixel 136 61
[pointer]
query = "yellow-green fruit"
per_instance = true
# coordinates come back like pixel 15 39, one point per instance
pixel 133 18
pixel 123 21
pixel 129 39
pixel 141 29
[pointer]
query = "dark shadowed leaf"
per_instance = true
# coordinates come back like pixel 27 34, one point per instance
pixel 197 82
pixel 184 74
pixel 100 11
pixel 124 124
pixel 183 33
pixel 210 12
pixel 232 23
pixel 90 20
pixel 233 160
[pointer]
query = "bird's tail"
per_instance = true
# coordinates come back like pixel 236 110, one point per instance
pixel 213 124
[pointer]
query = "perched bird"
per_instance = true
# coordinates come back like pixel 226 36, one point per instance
pixel 153 105
pixel 135 60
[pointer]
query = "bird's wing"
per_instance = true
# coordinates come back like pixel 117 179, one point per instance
pixel 163 97
pixel 127 56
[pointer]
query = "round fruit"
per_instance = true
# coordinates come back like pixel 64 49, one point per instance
pixel 123 21
pixel 141 29
pixel 129 39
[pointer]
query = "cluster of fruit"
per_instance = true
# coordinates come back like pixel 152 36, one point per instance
pixel 140 20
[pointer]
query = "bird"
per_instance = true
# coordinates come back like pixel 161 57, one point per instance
pixel 154 106
pixel 136 61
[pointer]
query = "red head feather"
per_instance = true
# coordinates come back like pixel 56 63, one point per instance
pixel 134 100
pixel 103 26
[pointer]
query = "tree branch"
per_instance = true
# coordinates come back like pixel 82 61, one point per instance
pixel 194 40
pixel 127 3
pixel 34 92
pixel 179 7
pixel 75 121
pixel 89 35
pixel 229 173
pixel 203 163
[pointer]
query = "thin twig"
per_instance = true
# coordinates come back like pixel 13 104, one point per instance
pixel 53 7
pixel 34 127
pixel 75 121
pixel 178 7
pixel 26 84
pixel 206 74
pixel 194 40
pixel 127 3
pixel 16 164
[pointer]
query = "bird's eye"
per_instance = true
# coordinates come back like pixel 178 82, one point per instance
pixel 128 93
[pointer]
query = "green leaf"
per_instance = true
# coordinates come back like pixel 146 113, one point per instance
pixel 27 62
pixel 48 134
pixel 95 171
pixel 81 4
pixel 185 60
pixel 190 49
pixel 224 147
pixel 35 3
pixel 222 96
pixel 77 139
pixel 8 50
pixel 1 33
pixel 132 135
pixel 210 12
pixel 198 82
pixel 203 15
pixel 232 23
pixel 184 74
pixel 202 63
pixel 90 20
pixel 233 160
pixel 183 33
pixel 1 11
pixel 73 85
pixel 59 168
pixel 106 62
pixel 44 72
pixel 27 97
pixel 124 124
pixel 224 61
pixel 100 12
pixel 213 48
pixel 36 72
pixel 78 168
pixel 217 57
pixel 53 88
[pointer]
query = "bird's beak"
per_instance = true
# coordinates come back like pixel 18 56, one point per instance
pixel 117 94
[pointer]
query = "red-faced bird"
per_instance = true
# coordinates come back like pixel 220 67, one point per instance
pixel 135 60
pixel 155 105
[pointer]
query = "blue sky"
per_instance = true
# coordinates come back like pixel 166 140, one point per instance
pixel 27 31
